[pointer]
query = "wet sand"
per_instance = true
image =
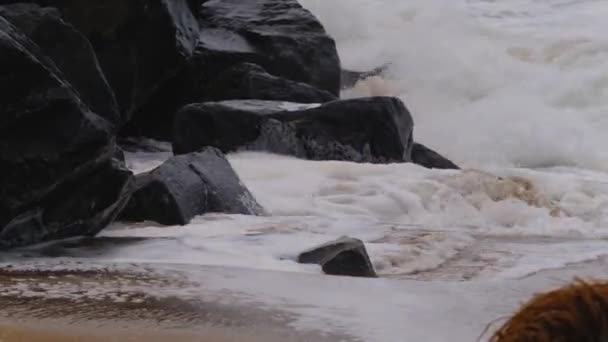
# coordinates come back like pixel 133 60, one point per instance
pixel 54 300
pixel 44 332
pixel 54 332
pixel 118 305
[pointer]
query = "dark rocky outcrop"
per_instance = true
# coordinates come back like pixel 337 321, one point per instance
pixel 189 185
pixel 250 81
pixel 81 207
pixel 377 129
pixel 345 256
pixel 428 158
pixel 119 155
pixel 349 78
pixel 140 44
pixel 253 75
pixel 71 53
pixel 57 177
pixel 280 36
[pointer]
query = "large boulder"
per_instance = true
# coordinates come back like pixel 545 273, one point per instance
pixel 280 36
pixel 430 159
pixel 140 43
pixel 344 256
pixel 189 185
pixel 243 81
pixel 57 177
pixel 250 81
pixel 81 207
pixel 376 129
pixel 70 51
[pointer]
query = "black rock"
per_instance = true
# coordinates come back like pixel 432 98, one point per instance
pixel 83 209
pixel 286 40
pixel 428 158
pixel 349 78
pixel 279 35
pixel 376 129
pixel 57 178
pixel 70 51
pixel 189 185
pixel 250 81
pixel 140 44
pixel 345 256
pixel 119 155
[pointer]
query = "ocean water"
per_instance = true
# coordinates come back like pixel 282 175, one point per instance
pixel 514 91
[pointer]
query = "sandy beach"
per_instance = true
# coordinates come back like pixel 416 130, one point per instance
pixel 46 332
pixel 109 304
pixel 43 332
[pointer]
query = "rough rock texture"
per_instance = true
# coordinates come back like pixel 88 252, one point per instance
pixel 428 158
pixel 140 43
pixel 57 178
pixel 189 185
pixel 250 81
pixel 376 129
pixel 81 207
pixel 345 256
pixel 70 51
pixel 278 35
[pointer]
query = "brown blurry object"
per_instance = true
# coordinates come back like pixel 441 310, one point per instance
pixel 577 312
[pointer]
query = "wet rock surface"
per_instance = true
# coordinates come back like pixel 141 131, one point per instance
pixel 189 185
pixel 299 59
pixel 71 53
pixel 428 158
pixel 250 81
pixel 279 35
pixel 349 78
pixel 345 256
pixel 54 152
pixel 139 44
pixel 361 130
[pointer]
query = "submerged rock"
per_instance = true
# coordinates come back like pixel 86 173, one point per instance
pixel 345 256
pixel 428 158
pixel 57 177
pixel 377 129
pixel 189 185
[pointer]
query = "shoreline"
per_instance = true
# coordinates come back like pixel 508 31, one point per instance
pixel 69 301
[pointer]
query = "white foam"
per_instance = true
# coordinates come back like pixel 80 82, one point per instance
pixel 411 219
pixel 517 83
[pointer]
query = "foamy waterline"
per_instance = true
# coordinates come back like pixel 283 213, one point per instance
pixel 519 83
